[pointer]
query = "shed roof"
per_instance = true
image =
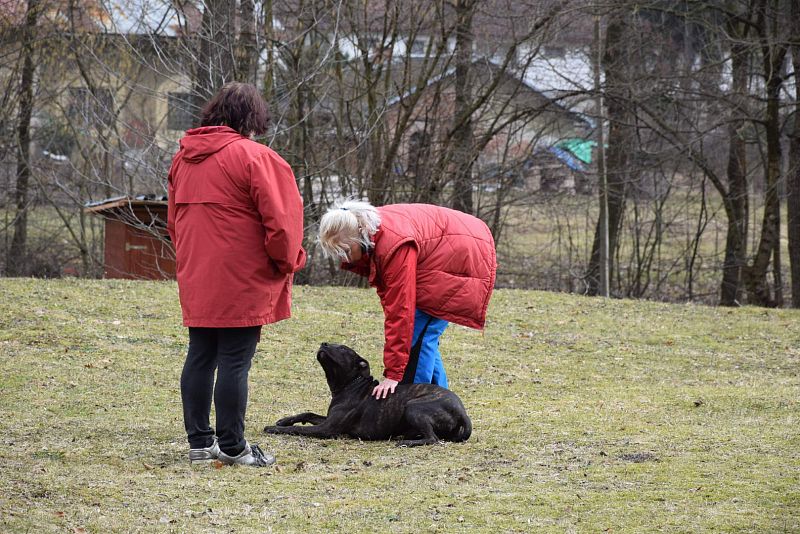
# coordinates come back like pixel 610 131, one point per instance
pixel 112 204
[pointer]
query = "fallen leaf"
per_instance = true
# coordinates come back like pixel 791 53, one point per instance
pixel 147 466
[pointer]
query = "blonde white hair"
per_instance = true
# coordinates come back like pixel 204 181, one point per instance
pixel 346 224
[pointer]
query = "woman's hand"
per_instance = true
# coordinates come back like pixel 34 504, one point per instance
pixel 385 388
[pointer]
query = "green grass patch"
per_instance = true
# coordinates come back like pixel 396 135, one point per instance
pixel 589 415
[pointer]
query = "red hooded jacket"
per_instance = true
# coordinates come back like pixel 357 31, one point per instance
pixel 436 259
pixel 236 219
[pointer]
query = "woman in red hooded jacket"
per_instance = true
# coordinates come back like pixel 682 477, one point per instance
pixel 430 265
pixel 236 220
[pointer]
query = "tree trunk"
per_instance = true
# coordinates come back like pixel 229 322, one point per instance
pixel 758 288
pixel 16 257
pixel 620 139
pixel 597 64
pixel 299 148
pixel 214 51
pixel 246 51
pixel 463 156
pixel 269 76
pixel 378 187
pixel 736 199
pixel 793 177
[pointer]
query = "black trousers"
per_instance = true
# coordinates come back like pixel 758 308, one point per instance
pixel 229 352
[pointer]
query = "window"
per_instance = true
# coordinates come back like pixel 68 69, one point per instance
pixel 554 51
pixel 180 111
pixel 91 109
pixel 369 43
pixel 417 47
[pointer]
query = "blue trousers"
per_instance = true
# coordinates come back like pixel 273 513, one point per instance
pixel 425 362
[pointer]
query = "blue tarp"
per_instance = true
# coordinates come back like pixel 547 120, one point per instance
pixel 568 159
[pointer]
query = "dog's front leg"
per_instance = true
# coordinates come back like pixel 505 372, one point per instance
pixel 305 418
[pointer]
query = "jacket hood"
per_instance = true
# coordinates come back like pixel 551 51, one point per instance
pixel 200 143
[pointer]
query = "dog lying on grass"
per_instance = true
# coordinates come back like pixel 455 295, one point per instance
pixel 422 414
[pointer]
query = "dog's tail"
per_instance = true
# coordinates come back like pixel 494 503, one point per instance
pixel 464 430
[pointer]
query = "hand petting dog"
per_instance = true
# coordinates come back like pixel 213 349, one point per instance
pixel 385 388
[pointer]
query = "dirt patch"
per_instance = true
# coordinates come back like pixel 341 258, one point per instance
pixel 638 457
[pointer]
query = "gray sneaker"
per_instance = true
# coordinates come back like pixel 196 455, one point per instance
pixel 252 455
pixel 205 454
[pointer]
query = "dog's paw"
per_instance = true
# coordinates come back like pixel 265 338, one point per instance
pixel 286 421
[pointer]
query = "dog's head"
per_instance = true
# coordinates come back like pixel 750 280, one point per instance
pixel 342 365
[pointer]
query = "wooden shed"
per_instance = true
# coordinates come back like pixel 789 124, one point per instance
pixel 137 245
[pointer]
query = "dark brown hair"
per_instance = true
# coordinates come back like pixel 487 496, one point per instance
pixel 238 105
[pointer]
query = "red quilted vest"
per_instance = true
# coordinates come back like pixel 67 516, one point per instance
pixel 456 261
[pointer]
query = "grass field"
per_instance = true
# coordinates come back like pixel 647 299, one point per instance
pixel 589 415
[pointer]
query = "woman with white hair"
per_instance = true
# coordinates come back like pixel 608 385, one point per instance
pixel 430 266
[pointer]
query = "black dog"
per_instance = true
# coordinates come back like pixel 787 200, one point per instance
pixel 421 413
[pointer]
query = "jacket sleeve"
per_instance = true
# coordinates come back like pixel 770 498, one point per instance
pixel 274 191
pixel 171 207
pixel 398 294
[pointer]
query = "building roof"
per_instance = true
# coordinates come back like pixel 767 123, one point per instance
pixel 140 17
pixel 554 75
pixel 537 83
pixel 123 17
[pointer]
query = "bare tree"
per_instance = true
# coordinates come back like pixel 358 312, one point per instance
pixel 454 102
pixel 246 44
pixel 463 137
pixel 735 195
pixel 793 177
pixel 17 254
pixel 773 49
pixel 619 101
pixel 215 51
